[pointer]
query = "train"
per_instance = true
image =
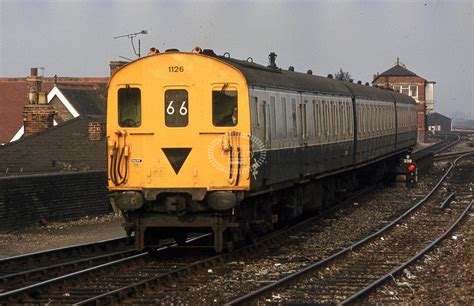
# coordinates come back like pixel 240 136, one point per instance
pixel 200 142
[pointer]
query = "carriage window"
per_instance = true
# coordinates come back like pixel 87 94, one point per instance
pixel 224 108
pixel 273 117
pixel 283 118
pixel 176 108
pixel 293 117
pixel 129 107
pixel 256 121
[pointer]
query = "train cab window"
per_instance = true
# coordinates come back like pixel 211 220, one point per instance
pixel 224 108
pixel 176 108
pixel 129 107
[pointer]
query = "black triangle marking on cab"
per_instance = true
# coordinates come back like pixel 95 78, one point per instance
pixel 176 157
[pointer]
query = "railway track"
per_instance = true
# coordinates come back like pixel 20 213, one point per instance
pixel 356 270
pixel 72 287
pixel 449 141
pixel 28 269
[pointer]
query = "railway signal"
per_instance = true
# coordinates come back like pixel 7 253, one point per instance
pixel 411 172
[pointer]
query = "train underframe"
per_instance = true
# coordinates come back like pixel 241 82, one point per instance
pixel 175 214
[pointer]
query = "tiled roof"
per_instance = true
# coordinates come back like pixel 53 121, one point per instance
pixel 65 147
pixel 397 70
pixel 86 100
pixel 13 93
pixel 437 116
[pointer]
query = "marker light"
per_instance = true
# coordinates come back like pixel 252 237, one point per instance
pixel 411 167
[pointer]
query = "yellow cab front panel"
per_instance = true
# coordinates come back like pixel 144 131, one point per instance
pixel 167 128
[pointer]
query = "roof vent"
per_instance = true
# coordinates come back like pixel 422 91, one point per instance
pixel 172 50
pixel 272 60
pixel 208 52
pixel 367 84
pixel 330 76
pixel 351 80
pixel 309 71
pixel 359 82
pixel 291 68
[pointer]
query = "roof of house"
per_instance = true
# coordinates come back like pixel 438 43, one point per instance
pixel 86 100
pixel 398 70
pixel 437 116
pixel 13 96
pixel 65 147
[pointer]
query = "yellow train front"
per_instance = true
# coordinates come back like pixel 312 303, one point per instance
pixel 178 141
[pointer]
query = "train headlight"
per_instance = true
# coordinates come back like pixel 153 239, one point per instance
pixel 129 200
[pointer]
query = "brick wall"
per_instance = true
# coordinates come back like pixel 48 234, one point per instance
pixel 96 131
pixel 25 200
pixel 37 118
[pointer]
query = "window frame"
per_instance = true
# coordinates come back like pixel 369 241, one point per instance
pixel 228 87
pixel 128 87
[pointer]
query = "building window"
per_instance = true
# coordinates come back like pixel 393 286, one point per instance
pixel 414 91
pixel 409 90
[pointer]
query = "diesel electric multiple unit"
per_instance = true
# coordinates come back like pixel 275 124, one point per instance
pixel 204 143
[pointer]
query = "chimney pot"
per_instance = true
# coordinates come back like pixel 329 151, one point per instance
pixel 34 71
pixel 42 98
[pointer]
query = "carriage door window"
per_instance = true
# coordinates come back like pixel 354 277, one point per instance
pixel 129 107
pixel 176 108
pixel 293 117
pixel 224 107
pixel 272 117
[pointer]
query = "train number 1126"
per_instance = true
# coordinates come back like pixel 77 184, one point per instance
pixel 175 69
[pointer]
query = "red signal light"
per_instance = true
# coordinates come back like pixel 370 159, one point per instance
pixel 411 167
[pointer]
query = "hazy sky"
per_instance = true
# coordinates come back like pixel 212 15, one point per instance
pixel 435 39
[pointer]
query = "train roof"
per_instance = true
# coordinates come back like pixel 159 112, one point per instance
pixel 259 75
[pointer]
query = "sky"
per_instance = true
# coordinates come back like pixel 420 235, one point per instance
pixel 434 39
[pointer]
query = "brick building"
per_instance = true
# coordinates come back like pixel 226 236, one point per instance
pixel 438 123
pixel 400 79
pixel 15 93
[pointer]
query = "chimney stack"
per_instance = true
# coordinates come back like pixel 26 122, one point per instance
pixel 38 115
pixel 115 65
pixel 34 86
pixel 96 131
